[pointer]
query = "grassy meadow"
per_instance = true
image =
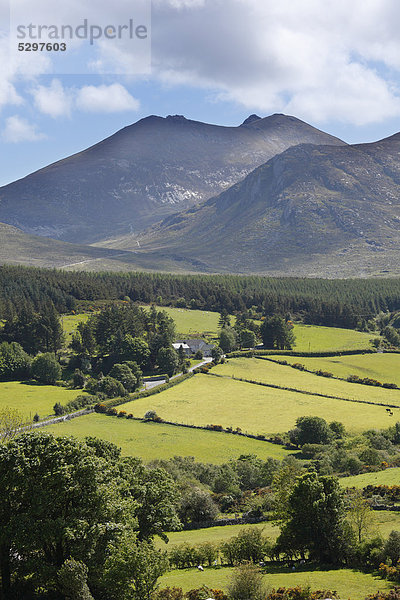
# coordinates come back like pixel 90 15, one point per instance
pixel 204 400
pixel 30 398
pixel 156 440
pixel 384 367
pixel 386 477
pixel 267 371
pixel 348 583
pixel 191 322
pixel 70 323
pixel 384 523
pixel 315 338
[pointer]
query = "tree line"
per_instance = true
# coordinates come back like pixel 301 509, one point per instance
pixel 320 301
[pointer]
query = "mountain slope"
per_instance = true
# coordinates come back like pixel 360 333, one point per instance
pixel 143 173
pixel 316 210
pixel 20 248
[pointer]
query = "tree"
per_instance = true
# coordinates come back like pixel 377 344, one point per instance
pixel 311 430
pixel 11 421
pixel 133 568
pixel 247 338
pixel 110 387
pixel 14 362
pixel 45 368
pixel 197 506
pixel 359 514
pixel 316 520
pixel 122 373
pixel 135 349
pixel 216 354
pixel 83 500
pixel 283 483
pixel 224 319
pixel 391 548
pixel 78 379
pixel 277 333
pixel 61 487
pixel 250 545
pixel 246 583
pixel 168 361
pixel 227 339
pixel 72 580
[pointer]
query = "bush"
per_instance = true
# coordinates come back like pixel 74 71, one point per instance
pixel 45 368
pixel 123 374
pixel 58 409
pixel 14 362
pixel 78 379
pixel 111 387
pixel 246 583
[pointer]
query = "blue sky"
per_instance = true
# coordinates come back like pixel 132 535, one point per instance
pixel 334 64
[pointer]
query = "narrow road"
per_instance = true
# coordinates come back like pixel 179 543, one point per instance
pixel 155 381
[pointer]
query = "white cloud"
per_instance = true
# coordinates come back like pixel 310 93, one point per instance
pixel 53 100
pixel 106 99
pixel 319 59
pixel 18 129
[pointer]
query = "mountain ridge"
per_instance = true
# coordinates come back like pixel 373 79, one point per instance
pixel 144 172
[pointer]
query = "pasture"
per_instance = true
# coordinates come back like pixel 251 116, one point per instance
pixel 205 399
pixel 348 583
pixel 150 441
pixel 386 477
pixel 315 338
pixel 70 323
pixel 267 371
pixel 383 367
pixel 384 523
pixel 192 322
pixel 30 398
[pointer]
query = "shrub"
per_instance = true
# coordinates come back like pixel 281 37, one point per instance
pixel 78 379
pixel 111 387
pixel 58 409
pixel 298 366
pixel 45 368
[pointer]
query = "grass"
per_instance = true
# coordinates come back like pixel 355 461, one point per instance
pixel 386 477
pixel 313 338
pixel 216 535
pixel 153 440
pixel 383 367
pixel 204 399
pixel 270 372
pixel 384 523
pixel 31 398
pixel 347 582
pixel 70 323
pixel 191 322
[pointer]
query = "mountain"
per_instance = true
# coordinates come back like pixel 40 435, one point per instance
pixel 145 172
pixel 311 210
pixel 17 247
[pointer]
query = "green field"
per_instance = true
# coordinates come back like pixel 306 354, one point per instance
pixel 216 535
pixel 34 398
pixel 384 523
pixel 270 372
pixel 386 477
pixel 313 338
pixel 70 323
pixel 204 399
pixel 154 440
pixel 191 322
pixel 383 367
pixel 347 582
